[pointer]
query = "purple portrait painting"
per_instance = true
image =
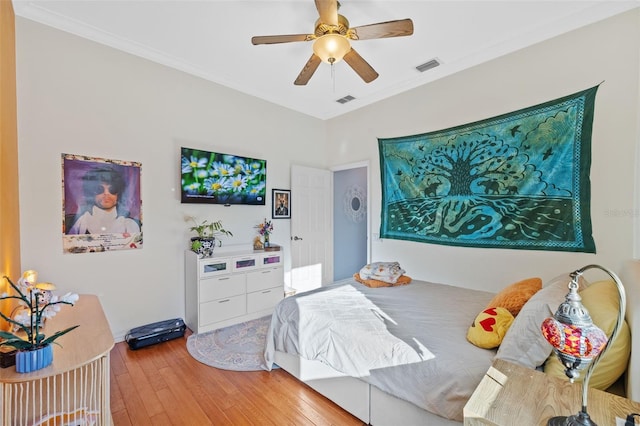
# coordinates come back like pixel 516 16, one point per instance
pixel 102 205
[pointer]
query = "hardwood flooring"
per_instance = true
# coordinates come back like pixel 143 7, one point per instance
pixel 164 385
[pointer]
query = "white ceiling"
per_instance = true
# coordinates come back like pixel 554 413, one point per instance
pixel 212 39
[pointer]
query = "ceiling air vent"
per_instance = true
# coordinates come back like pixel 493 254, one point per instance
pixel 428 65
pixel 345 99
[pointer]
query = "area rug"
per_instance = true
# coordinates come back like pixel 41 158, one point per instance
pixel 238 347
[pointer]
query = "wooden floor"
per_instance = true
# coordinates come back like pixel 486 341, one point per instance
pixel 164 385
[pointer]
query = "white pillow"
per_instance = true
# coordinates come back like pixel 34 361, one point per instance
pixel 524 344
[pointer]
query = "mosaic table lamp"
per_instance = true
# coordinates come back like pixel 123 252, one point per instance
pixel 579 343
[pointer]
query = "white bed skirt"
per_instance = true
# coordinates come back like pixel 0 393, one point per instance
pixel 364 401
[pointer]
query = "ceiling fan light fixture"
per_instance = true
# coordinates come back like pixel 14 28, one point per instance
pixel 332 41
pixel 331 48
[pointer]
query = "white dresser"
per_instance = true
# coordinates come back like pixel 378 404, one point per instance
pixel 236 284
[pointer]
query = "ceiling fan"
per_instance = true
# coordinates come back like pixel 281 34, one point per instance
pixel 331 40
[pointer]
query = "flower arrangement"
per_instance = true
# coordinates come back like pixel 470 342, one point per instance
pixel 265 228
pixel 38 303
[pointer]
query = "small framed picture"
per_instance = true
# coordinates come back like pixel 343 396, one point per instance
pixel 281 202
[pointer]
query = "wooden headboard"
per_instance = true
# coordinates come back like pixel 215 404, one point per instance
pixel 630 278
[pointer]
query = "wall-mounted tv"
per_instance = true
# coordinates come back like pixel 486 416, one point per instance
pixel 217 178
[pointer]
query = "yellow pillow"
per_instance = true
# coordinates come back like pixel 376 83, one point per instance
pixel 601 300
pixel 516 295
pixel 489 327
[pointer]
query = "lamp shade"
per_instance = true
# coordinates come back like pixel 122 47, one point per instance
pixel 575 339
pixel 45 286
pixel 576 346
pixel 331 48
pixel 30 277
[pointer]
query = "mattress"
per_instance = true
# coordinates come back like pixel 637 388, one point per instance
pixel 408 341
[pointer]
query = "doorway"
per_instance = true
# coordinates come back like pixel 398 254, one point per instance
pixel 350 220
pixel 316 247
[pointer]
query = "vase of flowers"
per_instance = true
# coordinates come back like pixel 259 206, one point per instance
pixel 35 303
pixel 265 229
pixel 205 242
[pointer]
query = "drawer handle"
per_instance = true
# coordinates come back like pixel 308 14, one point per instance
pixel 223 301
pixel 266 272
pixel 222 279
pixel 266 291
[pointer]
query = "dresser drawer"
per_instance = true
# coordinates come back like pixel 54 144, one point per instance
pixel 245 263
pixel 211 267
pixel 271 259
pixel 265 278
pixel 223 309
pixel 264 299
pixel 221 287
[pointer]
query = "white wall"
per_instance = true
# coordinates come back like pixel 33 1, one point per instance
pixel 79 97
pixel 607 53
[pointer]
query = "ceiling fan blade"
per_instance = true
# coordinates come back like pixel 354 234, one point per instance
pixel 328 11
pixel 308 70
pixel 273 39
pixel 399 28
pixel 360 66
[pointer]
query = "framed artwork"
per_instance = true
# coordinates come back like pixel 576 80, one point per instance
pixel 281 202
pixel 101 204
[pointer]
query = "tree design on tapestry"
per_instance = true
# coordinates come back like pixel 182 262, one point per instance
pixel 520 180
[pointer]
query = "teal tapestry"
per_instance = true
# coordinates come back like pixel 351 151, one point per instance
pixel 519 180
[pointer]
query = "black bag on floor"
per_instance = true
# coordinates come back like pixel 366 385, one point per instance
pixel 156 332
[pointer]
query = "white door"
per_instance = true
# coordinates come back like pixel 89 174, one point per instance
pixel 311 228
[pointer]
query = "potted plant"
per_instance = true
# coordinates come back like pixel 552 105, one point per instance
pixel 207 232
pixel 36 301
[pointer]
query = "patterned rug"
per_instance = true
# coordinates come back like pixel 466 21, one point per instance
pixel 238 347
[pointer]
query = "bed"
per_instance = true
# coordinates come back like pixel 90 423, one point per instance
pixel 375 353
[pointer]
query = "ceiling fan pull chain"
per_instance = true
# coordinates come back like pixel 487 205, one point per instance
pixel 333 77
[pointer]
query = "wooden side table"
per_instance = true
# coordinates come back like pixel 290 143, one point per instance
pixel 76 383
pixel 513 395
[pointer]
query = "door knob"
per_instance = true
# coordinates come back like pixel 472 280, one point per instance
pixel 296 238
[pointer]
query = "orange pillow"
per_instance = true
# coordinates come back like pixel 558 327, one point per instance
pixel 402 280
pixel 516 295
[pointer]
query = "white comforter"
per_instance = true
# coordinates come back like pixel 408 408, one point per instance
pixel 409 341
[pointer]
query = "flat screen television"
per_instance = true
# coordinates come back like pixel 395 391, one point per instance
pixel 217 178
